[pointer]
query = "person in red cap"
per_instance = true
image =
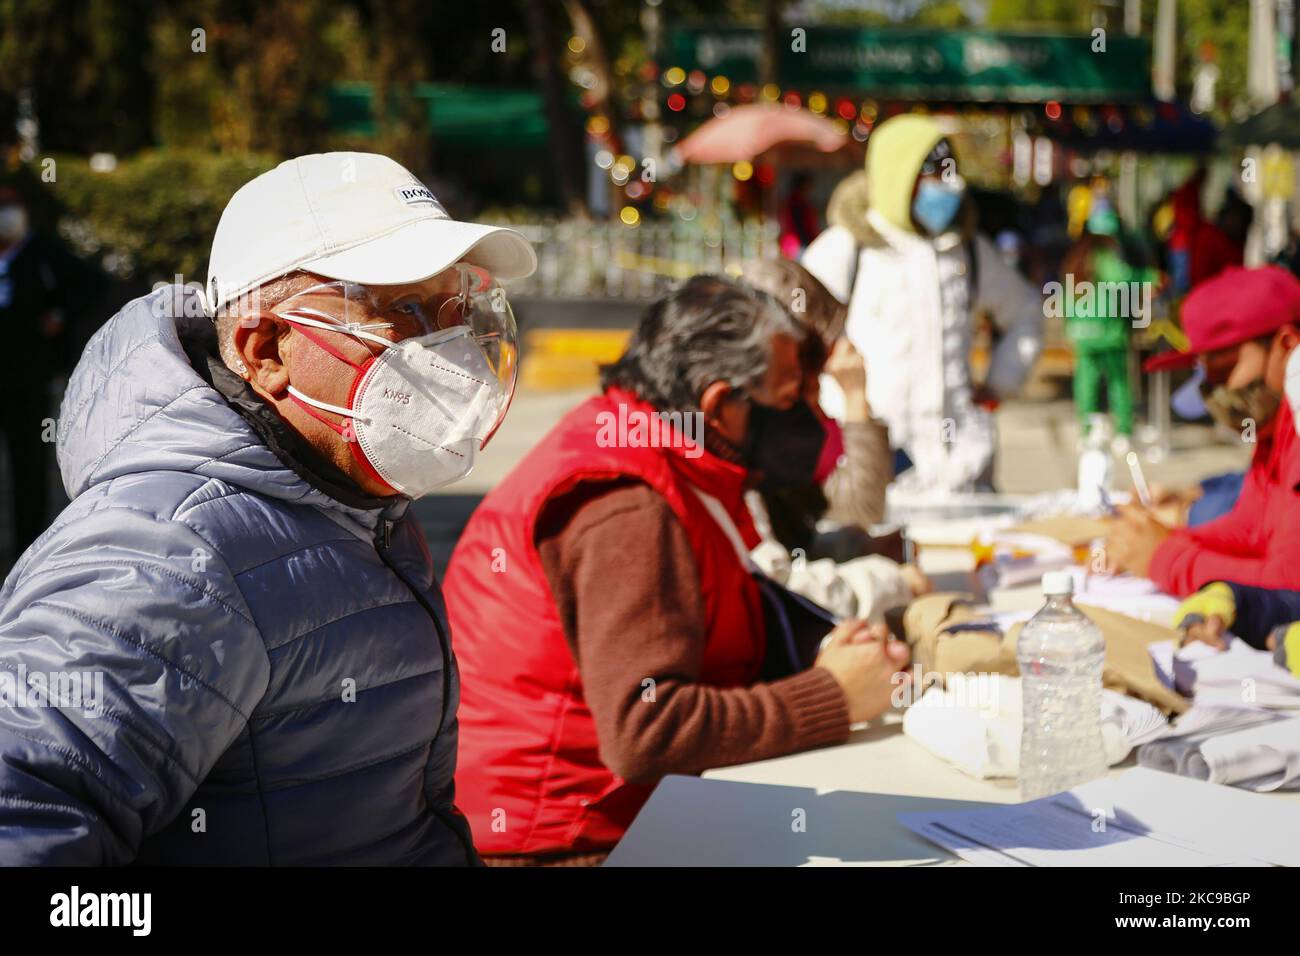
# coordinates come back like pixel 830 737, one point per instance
pixel 1242 326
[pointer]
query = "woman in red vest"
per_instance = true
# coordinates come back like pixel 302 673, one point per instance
pixel 605 619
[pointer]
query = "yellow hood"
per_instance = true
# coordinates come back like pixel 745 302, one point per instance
pixel 895 152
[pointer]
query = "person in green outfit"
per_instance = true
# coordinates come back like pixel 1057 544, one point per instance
pixel 1104 296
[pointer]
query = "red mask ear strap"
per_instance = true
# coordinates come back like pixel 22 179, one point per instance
pixel 322 343
pixel 316 414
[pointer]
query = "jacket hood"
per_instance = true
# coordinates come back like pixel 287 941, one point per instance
pixel 848 207
pixel 135 404
pixel 895 152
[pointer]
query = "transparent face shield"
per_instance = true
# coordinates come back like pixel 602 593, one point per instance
pixel 462 315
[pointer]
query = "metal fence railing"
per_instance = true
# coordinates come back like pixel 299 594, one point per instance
pixel 578 259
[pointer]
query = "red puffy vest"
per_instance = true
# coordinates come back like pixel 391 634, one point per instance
pixel 530 778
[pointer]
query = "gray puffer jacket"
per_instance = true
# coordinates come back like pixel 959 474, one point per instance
pixel 238 668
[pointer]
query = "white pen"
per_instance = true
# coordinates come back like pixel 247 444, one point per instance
pixel 1139 479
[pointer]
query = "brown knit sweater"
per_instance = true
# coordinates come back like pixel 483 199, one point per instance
pixel 623 575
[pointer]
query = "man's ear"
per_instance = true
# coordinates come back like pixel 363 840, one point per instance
pixel 712 400
pixel 257 343
pixel 1288 337
pixel 1279 351
pixel 1284 342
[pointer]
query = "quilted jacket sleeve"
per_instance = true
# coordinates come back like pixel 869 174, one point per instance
pixel 152 666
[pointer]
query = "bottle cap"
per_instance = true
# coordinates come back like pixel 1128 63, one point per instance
pixel 1057 583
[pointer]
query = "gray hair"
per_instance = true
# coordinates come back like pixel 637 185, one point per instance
pixel 802 293
pixel 266 296
pixel 708 329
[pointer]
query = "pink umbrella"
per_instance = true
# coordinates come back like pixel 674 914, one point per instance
pixel 745 133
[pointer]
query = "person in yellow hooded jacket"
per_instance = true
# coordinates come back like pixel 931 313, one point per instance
pixel 914 273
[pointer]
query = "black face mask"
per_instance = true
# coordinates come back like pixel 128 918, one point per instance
pixel 783 445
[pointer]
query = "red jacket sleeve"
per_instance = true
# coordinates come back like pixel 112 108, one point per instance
pixel 1235 547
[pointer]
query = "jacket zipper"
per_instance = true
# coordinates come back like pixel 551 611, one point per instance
pixel 384 541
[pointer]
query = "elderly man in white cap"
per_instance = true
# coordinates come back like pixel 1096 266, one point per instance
pixel 230 647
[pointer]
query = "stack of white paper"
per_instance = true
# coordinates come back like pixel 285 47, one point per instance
pixel 1239 675
pixel 1138 720
pixel 1205 720
pixel 1163 654
pixel 1141 818
pixel 1240 746
pixel 1124 594
pixel 1261 758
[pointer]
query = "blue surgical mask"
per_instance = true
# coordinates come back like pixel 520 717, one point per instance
pixel 936 205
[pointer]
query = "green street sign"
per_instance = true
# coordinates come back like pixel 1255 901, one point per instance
pixel 928 64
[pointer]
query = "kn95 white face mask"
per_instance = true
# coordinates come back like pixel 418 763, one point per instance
pixel 421 408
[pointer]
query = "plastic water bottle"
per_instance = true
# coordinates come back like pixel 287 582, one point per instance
pixel 1060 653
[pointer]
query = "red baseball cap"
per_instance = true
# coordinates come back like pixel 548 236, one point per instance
pixel 1237 305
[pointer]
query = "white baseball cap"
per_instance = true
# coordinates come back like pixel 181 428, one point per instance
pixel 359 217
